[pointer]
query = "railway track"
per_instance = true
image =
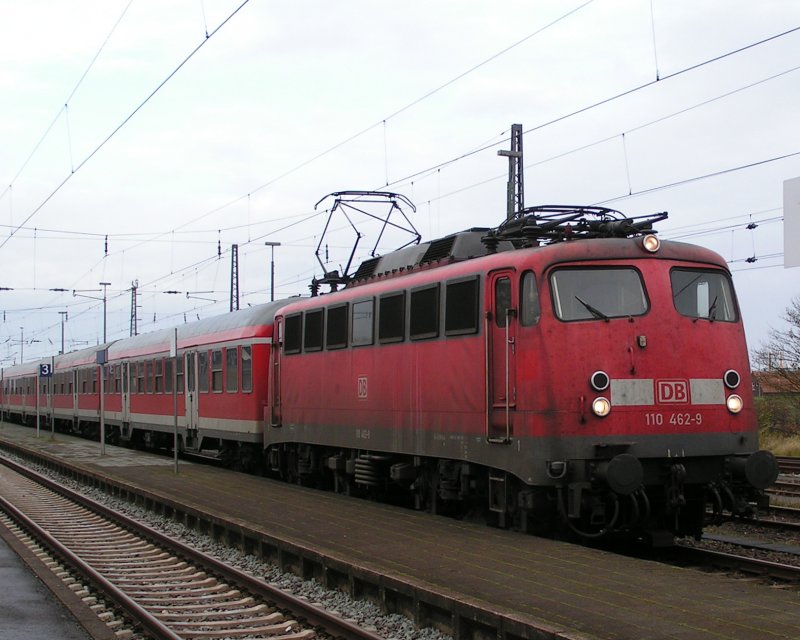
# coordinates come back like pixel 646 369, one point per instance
pixel 165 588
pixel 789 465
pixel 733 561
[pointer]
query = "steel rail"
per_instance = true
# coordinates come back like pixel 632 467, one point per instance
pixel 136 612
pixel 776 570
pixel 331 623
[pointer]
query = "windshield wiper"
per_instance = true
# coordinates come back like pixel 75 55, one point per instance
pixel 595 312
pixel 712 310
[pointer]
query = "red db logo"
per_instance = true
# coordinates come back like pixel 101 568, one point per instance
pixel 672 391
pixel 362 387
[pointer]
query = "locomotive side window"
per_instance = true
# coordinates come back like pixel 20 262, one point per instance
pixel 294 333
pixel 231 369
pixel 461 307
pixel 363 322
pixel 202 371
pixel 312 332
pixel 502 297
pixel 391 317
pixel 529 300
pixel 598 293
pixel 424 321
pixel 247 369
pixel 216 371
pixel 703 294
pixel 336 333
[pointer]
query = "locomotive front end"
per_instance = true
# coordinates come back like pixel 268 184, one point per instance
pixel 647 352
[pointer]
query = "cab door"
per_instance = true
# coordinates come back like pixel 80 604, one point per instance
pixel 501 336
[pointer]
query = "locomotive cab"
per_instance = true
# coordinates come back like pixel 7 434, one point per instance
pixel 639 367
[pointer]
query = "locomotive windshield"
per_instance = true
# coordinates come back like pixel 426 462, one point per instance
pixel 703 294
pixel 597 293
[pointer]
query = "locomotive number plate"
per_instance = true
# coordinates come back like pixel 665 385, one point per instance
pixel 676 419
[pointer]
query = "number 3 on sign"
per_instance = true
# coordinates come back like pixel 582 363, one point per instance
pixel 45 370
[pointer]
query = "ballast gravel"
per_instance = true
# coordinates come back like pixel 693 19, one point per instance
pixel 363 613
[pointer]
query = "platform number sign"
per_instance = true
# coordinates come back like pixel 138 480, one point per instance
pixel 45 370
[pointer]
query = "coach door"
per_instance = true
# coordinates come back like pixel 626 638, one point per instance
pixel 74 375
pixel 126 391
pixel 501 334
pixel 275 374
pixel 192 397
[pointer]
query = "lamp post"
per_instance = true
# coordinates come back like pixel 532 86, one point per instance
pixel 104 285
pixel 64 316
pixel 272 246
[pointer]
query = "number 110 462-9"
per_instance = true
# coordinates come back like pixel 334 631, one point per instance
pixel 679 419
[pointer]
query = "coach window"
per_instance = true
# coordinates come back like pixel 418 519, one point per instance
pixel 216 370
pixel 202 371
pixel 502 301
pixel 461 307
pixel 312 331
pixel 167 375
pixel 363 322
pixel 424 313
pixel 84 382
pixel 391 317
pixel 94 379
pixel 140 377
pixel 179 374
pixel 148 373
pixel 531 310
pixel 232 369
pixel 247 368
pixel 293 333
pixel 336 333
pixel 159 373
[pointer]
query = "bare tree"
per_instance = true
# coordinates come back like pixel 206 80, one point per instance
pixel 780 354
pixel 777 364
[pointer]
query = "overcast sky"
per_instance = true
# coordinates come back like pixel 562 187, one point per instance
pixel 289 101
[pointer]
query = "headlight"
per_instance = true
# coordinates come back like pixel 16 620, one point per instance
pixel 651 243
pixel 734 403
pixel 599 381
pixel 601 406
pixel 732 379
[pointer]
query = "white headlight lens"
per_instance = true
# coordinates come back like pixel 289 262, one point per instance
pixel 651 243
pixel 601 406
pixel 734 403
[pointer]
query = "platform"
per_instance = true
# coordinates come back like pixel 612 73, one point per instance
pixel 566 591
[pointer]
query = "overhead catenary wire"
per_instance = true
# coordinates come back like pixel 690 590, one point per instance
pixel 123 123
pixel 187 224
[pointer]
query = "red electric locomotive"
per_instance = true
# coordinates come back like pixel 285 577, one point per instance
pixel 565 372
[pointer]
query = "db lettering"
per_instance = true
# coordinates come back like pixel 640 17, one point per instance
pixel 673 392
